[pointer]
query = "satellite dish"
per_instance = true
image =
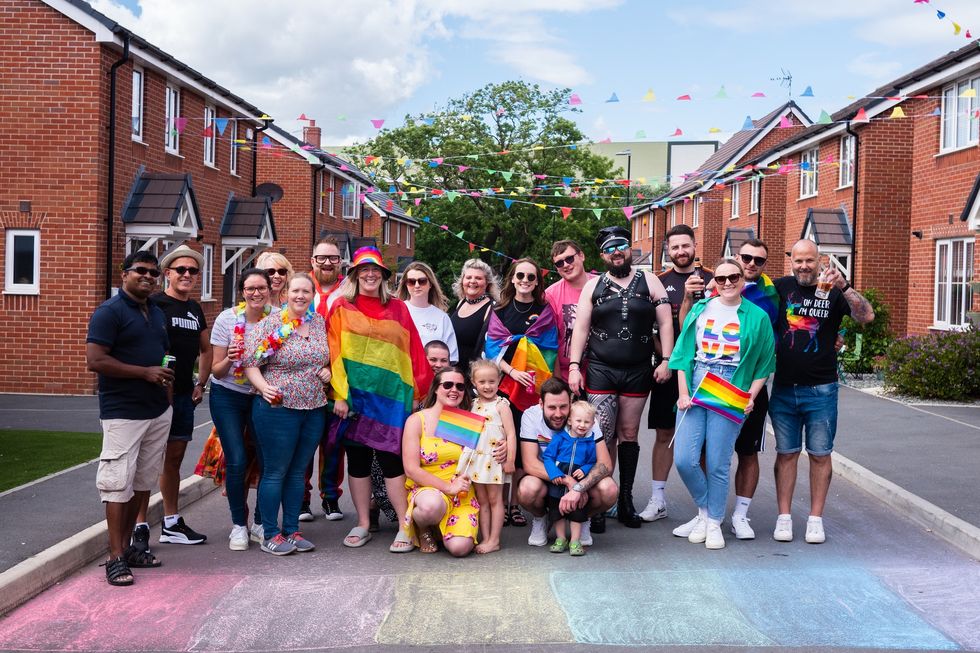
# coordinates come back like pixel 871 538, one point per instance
pixel 272 191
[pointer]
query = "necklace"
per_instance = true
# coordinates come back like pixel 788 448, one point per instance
pixel 275 340
pixel 530 305
pixel 475 300
pixel 238 371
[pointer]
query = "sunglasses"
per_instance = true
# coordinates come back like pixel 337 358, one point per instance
pixel 530 276
pixel 562 262
pixel 333 258
pixel 449 385
pixel 759 260
pixel 421 281
pixel 141 271
pixel 733 278
pixel 181 270
pixel 280 271
pixel 615 248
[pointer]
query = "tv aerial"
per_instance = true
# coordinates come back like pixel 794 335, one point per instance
pixel 786 80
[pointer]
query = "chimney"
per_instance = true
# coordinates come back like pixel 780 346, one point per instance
pixel 311 134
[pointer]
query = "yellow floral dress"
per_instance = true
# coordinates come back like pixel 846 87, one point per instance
pixel 478 463
pixel 439 457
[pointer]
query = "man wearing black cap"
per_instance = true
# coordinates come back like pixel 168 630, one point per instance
pixel 614 331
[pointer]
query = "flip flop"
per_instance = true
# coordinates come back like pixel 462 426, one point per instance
pixel 517 517
pixel 362 533
pixel 401 539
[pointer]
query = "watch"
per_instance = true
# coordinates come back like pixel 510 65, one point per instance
pixel 578 487
pixel 846 287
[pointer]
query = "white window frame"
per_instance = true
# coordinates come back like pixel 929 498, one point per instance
pixel 673 215
pixel 10 285
pixel 135 243
pixel 845 173
pixel 330 197
pixel 210 142
pixel 958 125
pixel 736 198
pixel 650 222
pixel 233 152
pixel 139 84
pixel 387 232
pixel 945 312
pixel 408 237
pixel 171 138
pixel 207 273
pixel 398 233
pixel 350 202
pixel 755 190
pixel 695 213
pixel 809 179
pixel 320 192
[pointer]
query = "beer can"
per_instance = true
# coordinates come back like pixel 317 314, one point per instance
pixel 531 389
pixel 170 362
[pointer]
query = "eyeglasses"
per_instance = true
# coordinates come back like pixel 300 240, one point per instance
pixel 615 248
pixel 181 270
pixel 733 278
pixel 333 258
pixel 521 276
pixel 280 271
pixel 420 281
pixel 449 385
pixel 759 260
pixel 255 291
pixel 562 262
pixel 141 271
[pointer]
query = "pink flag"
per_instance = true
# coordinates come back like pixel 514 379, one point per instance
pixel 758 94
pixel 784 123
pixel 677 132
pixel 179 124
pixel 378 123
pixel 684 97
pixel 575 100
pixel 628 210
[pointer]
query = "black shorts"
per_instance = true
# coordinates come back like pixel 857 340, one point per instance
pixel 580 515
pixel 359 459
pixel 663 404
pixel 754 427
pixel 630 382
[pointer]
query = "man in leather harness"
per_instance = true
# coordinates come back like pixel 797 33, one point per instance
pixel 614 331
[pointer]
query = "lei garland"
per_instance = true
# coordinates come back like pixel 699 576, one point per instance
pixel 274 341
pixel 239 336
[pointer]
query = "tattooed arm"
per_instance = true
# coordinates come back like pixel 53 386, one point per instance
pixel 861 311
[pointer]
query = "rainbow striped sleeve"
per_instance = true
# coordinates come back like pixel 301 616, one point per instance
pixel 719 396
pixel 460 426
pixel 763 294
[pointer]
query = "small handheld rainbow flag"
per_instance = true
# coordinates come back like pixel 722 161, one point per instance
pixel 460 426
pixel 718 395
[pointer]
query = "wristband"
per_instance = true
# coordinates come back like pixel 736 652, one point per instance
pixel 846 287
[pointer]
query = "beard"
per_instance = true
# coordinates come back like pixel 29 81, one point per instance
pixel 325 278
pixel 681 260
pixel 806 278
pixel 620 271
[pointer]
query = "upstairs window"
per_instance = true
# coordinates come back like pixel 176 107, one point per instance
pixel 210 142
pixel 172 113
pixel 22 274
pixel 755 189
pixel 808 173
pixel 958 114
pixel 137 124
pixel 736 198
pixel 845 175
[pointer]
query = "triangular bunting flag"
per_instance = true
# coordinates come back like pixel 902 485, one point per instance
pixel 748 124
pixel 897 113
pixel 721 94
pixel 613 98
pixel 861 115
pixel 221 123
pixel 641 134
pixel 677 132
pixel 714 130
pixel 684 97
pixel 598 213
pixel 936 112
pixel 302 116
pixel 179 124
pixel 565 212
pixel 574 100
pixel 784 123
pixel 628 211
pixel 650 96
pixel 824 118
pixel 758 94
pixel 378 124
pixel 808 92
pixel 208 132
pixel 507 203
pixel 970 92
pixel 429 121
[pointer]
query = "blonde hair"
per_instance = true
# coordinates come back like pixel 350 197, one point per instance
pixel 484 364
pixel 584 406
pixel 436 297
pixel 352 288
pixel 493 283
pixel 279 261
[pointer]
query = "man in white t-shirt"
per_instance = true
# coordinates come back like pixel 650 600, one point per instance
pixel 563 295
pixel 597 492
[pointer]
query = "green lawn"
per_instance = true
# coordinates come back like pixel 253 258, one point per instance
pixel 29 455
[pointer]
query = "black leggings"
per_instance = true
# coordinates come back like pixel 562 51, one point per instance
pixel 359 461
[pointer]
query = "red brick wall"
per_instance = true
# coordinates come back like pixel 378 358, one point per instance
pixel 772 207
pixel 291 213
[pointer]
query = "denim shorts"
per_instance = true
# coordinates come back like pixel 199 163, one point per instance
pixel 182 426
pixel 813 407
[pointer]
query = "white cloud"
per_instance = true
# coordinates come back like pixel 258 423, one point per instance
pixel 549 65
pixel 872 66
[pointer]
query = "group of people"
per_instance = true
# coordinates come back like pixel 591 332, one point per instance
pixel 556 380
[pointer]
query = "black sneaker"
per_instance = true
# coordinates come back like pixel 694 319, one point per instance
pixel 597 524
pixel 331 508
pixel 141 539
pixel 181 533
pixel 305 514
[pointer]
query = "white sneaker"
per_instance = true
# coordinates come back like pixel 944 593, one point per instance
pixel 814 531
pixel 257 533
pixel 238 540
pixel 714 538
pixel 741 528
pixel 784 529
pixel 586 537
pixel 539 532
pixel 700 531
pixel 656 509
pixel 685 529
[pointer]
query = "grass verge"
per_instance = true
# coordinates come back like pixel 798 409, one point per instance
pixel 29 455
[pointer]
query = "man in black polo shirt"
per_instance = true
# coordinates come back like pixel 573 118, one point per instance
pixel 125 346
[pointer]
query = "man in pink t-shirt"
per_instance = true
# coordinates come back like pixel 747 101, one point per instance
pixel 563 295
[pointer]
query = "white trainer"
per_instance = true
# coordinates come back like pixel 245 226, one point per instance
pixel 257 533
pixel 784 529
pixel 741 528
pixel 238 539
pixel 586 537
pixel 700 531
pixel 814 531
pixel 539 532
pixel 714 538
pixel 685 529
pixel 656 509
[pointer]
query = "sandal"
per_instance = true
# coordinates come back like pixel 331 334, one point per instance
pixel 560 545
pixel 427 542
pixel 117 572
pixel 362 535
pixel 575 548
pixel 401 544
pixel 517 517
pixel 507 521
pixel 138 559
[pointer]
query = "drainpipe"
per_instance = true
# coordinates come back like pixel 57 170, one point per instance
pixel 854 206
pixel 758 213
pixel 316 196
pixel 255 153
pixel 111 185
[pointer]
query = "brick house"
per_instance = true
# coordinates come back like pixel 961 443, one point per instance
pixel 706 198
pixel 111 145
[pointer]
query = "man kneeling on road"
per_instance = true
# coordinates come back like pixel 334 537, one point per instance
pixel 596 493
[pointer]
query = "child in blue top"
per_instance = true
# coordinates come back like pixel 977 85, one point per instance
pixel 568 459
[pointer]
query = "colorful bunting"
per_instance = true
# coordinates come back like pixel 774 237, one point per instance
pixel 221 124
pixel 613 98
pixel 897 113
pixel 378 123
pixel 574 100
pixel 808 92
pixel 650 96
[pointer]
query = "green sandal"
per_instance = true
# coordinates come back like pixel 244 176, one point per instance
pixel 560 545
pixel 575 548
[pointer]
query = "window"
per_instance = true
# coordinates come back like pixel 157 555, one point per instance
pixel 408 237
pixel 233 153
pixel 330 196
pixel 398 233
pixel 209 141
pixel 23 254
pixel 207 274
pixel 958 118
pixel 651 220
pixel 135 244
pixel 137 104
pixel 695 212
pixel 321 193
pixel 755 189
pixel 808 173
pixel 350 202
pixel 673 215
pixel 172 109
pixel 954 271
pixel 736 198
pixel 387 232
pixel 845 174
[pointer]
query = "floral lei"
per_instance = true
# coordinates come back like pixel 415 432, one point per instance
pixel 275 340
pixel 239 336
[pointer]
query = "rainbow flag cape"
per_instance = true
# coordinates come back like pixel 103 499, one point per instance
pixel 460 426
pixel 763 294
pixel 536 351
pixel 720 396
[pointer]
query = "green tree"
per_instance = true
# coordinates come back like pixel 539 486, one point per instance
pixel 499 136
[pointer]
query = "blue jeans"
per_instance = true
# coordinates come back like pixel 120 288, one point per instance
pixel 704 429
pixel 288 438
pixel 793 407
pixel 231 413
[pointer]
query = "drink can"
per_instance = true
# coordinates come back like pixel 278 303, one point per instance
pixel 531 388
pixel 170 362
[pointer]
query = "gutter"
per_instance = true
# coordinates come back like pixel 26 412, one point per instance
pixel 255 152
pixel 111 172
pixel 854 205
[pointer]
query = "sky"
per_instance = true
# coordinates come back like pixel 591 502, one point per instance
pixel 347 63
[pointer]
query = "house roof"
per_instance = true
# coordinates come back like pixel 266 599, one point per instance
pixel 246 217
pixel 323 156
pixel 157 198
pixel 387 204
pixel 735 237
pixel 827 227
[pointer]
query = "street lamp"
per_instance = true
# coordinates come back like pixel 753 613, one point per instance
pixel 628 153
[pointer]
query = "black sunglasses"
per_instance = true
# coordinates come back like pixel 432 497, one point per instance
pixel 421 281
pixel 562 262
pixel 181 270
pixel 733 278
pixel 448 385
pixel 140 270
pixel 759 260
pixel 521 275
pixel 615 248
pixel 280 271
pixel 333 258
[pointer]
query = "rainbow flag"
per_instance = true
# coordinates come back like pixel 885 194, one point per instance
pixel 720 396
pixel 763 294
pixel 460 426
pixel 536 351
